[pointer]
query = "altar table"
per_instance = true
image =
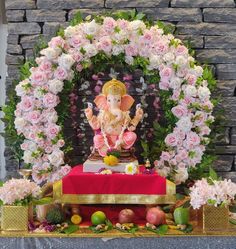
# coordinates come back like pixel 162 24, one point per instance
pixel 117 188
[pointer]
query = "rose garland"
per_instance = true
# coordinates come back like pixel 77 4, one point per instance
pixel 136 43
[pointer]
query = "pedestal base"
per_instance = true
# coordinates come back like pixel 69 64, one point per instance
pixel 95 166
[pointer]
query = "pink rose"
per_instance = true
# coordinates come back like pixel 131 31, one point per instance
pixel 181 50
pixel 52 130
pixel 46 66
pixel 27 103
pixel 60 73
pixel 147 36
pixel 160 47
pixel 109 24
pixel 34 117
pixel 38 78
pixel 123 24
pixel 179 111
pixel 183 154
pixel 192 139
pixel 164 85
pixel 131 50
pixel 165 156
pixel 50 100
pixel 79 67
pixel 105 44
pixel 77 41
pixel 57 41
pixel 191 79
pixel 166 73
pixel 171 139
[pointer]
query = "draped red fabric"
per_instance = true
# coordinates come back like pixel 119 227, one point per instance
pixel 78 182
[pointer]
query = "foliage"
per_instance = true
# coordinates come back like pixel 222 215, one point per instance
pixel 160 230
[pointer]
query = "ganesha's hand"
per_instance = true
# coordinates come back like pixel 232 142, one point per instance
pixel 139 113
pixel 132 128
pixel 88 113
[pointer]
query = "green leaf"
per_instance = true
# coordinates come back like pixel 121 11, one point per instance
pixel 212 174
pixel 188 229
pixel 43 201
pixel 232 221
pixel 70 229
pixel 105 229
pixel 131 230
pixel 160 230
pixel 76 19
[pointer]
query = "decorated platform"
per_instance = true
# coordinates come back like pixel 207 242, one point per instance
pixel 79 187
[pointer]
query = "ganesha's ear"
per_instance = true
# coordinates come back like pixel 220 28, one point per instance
pixel 101 102
pixel 126 102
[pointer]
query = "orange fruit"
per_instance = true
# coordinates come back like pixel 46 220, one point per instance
pixel 76 219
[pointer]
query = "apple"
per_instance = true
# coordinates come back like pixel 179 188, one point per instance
pixel 181 216
pixel 126 216
pixel 155 216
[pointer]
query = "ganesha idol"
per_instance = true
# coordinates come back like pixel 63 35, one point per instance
pixel 113 127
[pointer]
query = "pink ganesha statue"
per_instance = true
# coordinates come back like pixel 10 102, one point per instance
pixel 113 126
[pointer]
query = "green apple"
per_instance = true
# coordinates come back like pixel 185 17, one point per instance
pixel 181 216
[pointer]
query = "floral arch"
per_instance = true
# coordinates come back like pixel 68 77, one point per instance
pixel 137 43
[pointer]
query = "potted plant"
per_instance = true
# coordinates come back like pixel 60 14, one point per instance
pixel 215 196
pixel 16 195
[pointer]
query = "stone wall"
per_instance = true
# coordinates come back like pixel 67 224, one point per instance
pixel 210 26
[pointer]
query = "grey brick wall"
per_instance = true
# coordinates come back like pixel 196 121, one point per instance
pixel 210 25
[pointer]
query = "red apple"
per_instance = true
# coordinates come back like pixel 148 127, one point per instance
pixel 126 216
pixel 155 216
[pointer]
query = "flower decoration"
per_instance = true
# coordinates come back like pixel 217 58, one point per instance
pixel 19 192
pixel 36 118
pixel 131 169
pixel 215 193
pixel 105 171
pixel 111 160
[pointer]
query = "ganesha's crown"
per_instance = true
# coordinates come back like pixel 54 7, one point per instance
pixel 114 87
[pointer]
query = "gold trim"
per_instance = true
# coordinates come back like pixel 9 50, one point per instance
pixel 169 198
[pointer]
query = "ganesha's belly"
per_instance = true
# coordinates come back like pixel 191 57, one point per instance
pixel 113 130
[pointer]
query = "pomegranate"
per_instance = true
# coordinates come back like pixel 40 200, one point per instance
pixel 155 216
pixel 126 216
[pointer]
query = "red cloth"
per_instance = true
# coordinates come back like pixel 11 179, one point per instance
pixel 78 182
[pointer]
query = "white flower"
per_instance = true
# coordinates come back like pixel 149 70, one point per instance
pixel 136 25
pixel 91 28
pixel 70 31
pixel 56 158
pixel 117 49
pixel 181 175
pixel 184 124
pixel 190 91
pixel 55 86
pixel 90 50
pixel 20 123
pixel 181 61
pixel 155 61
pixel 21 87
pixel 51 53
pixel 164 171
pixel 27 157
pixel 169 57
pixel 66 61
pixel 131 169
pixel 198 71
pixel 204 93
pixel 129 60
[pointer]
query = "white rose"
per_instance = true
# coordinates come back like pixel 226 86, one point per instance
pixel 21 87
pixel 55 86
pixel 175 82
pixel 198 71
pixel 181 175
pixel 184 124
pixel 190 91
pixel 155 61
pixel 38 92
pixel 129 60
pixel 20 123
pixel 66 61
pixel 27 157
pixel 91 28
pixel 31 145
pixel 51 53
pixel 51 116
pixel 70 31
pixel 169 57
pixel 204 93
pixel 181 61
pixel 136 25
pixel 56 158
pixel 117 49
pixel 90 50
